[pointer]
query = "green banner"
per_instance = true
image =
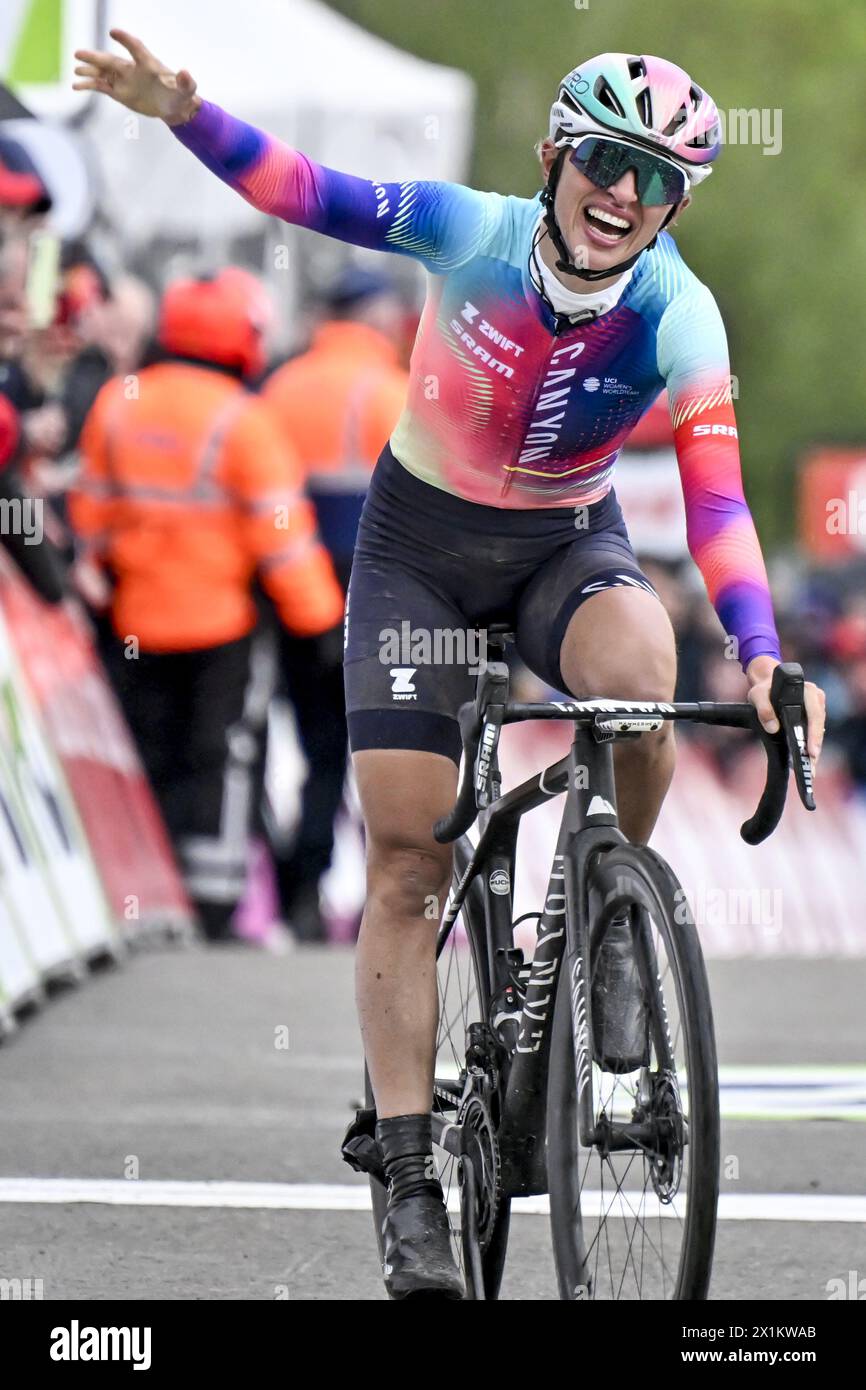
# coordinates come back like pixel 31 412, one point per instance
pixel 36 54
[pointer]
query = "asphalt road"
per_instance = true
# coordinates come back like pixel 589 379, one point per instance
pixel 192 1066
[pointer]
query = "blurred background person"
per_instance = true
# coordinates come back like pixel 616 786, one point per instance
pixel 25 199
pixel 340 400
pixel 337 404
pixel 28 531
pixel 127 330
pixel 65 367
pixel 188 494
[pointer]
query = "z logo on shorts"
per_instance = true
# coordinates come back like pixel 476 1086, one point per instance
pixel 401 683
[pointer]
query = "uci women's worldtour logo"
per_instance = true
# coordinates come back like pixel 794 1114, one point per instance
pixel 610 386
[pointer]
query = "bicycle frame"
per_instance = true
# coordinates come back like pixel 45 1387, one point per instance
pixel 586 777
pixel 589 825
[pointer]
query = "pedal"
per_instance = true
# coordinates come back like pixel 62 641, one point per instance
pixel 360 1149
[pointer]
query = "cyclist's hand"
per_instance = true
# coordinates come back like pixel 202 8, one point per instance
pixel 760 674
pixel 144 84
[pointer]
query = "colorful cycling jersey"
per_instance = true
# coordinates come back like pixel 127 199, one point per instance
pixel 504 407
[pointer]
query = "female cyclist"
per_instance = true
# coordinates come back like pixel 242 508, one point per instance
pixel 551 325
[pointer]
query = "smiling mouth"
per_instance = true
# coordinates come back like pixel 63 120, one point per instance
pixel 605 224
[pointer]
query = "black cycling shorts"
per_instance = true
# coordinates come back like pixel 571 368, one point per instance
pixel 431 569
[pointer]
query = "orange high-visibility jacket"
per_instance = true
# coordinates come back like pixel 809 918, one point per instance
pixel 339 402
pixel 188 489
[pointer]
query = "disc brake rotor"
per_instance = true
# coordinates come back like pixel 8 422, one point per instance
pixel 666 1158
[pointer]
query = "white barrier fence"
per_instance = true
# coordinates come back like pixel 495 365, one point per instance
pixel 799 893
pixel 54 914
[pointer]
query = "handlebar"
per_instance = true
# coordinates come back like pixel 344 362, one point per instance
pixel 481 722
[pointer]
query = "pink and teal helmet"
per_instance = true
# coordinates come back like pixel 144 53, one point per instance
pixel 646 100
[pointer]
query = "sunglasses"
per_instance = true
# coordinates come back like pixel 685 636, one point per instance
pixel 604 161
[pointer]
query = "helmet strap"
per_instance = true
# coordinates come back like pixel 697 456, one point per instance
pixel 565 261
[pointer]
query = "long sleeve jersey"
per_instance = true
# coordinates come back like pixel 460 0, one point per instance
pixel 504 408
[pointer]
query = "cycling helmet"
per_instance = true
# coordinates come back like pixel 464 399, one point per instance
pixel 640 99
pixel 221 319
pixel 644 99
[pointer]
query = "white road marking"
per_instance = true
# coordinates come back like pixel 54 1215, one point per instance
pixel 783 1092
pixel 278 1196
pixel 793 1093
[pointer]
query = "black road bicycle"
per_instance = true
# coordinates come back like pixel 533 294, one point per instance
pixel 526 1098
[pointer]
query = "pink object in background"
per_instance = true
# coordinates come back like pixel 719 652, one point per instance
pixel 258 910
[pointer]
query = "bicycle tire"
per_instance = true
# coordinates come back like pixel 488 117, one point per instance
pixel 639 876
pixel 472 915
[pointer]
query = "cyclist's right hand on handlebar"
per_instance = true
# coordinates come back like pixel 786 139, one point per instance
pixel 760 675
pixel 144 84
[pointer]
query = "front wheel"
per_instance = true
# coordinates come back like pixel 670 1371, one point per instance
pixel 633 1198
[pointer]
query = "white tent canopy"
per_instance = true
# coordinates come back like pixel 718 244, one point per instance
pixel 292 67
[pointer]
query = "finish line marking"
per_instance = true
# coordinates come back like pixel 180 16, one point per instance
pixel 786 1092
pixel 277 1196
pixel 792 1092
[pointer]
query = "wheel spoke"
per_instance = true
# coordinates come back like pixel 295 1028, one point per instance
pixel 630 1222
pixel 461 1004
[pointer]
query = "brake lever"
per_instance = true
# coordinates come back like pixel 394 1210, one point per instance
pixel 485 758
pixel 479 736
pixel 492 689
pixel 787 695
pixel 787 745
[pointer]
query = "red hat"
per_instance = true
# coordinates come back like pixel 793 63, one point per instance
pixel 18 190
pixel 20 183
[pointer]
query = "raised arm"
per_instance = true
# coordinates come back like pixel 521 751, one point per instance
pixel 441 224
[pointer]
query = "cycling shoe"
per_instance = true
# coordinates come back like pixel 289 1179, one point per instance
pixel 417 1260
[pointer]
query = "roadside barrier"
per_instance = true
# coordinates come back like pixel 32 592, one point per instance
pixel 85 863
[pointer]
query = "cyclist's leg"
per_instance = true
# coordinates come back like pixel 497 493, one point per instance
pixel 591 624
pixel 401 708
pixel 405 745
pixel 640 664
pixel 403 792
